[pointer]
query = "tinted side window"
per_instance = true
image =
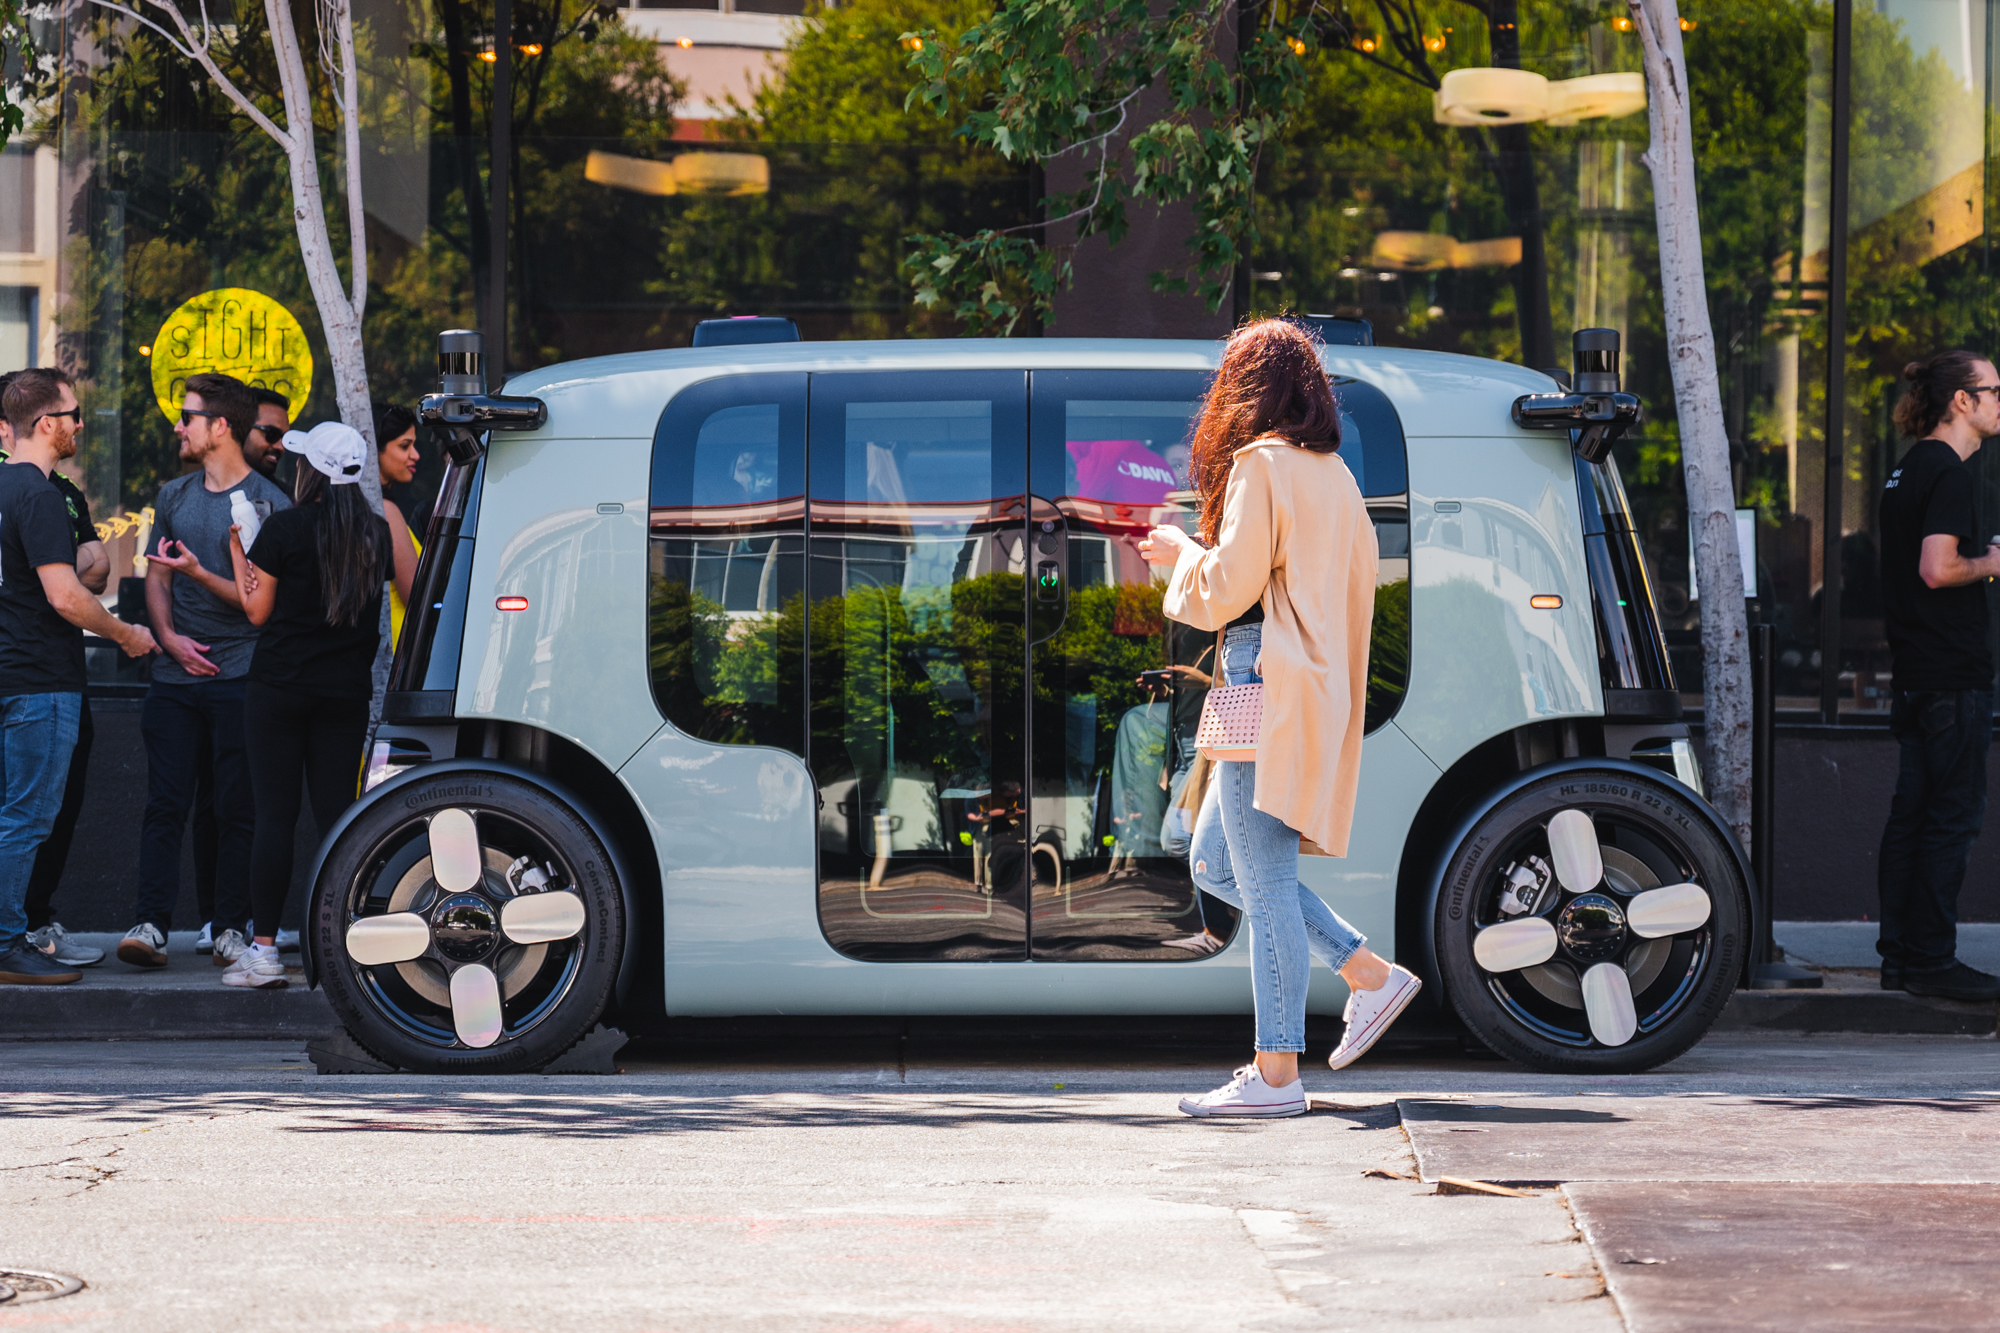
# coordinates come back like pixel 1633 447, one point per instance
pixel 1371 444
pixel 1371 439
pixel 727 561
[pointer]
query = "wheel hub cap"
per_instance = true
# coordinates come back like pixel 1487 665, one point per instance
pixel 1591 928
pixel 465 927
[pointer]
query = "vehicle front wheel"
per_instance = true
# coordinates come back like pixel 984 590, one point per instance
pixel 468 923
pixel 1592 922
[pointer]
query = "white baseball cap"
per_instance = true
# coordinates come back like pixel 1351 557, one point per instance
pixel 337 451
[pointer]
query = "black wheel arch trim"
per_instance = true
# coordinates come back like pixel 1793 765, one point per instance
pixel 1425 945
pixel 497 767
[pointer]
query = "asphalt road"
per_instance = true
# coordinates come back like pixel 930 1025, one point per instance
pixel 1758 1182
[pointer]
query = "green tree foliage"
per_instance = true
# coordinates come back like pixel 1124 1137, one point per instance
pixel 1212 82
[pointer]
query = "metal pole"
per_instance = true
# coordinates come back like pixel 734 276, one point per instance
pixel 1765 972
pixel 1836 366
pixel 503 157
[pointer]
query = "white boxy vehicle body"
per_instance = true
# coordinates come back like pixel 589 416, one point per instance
pixel 1513 712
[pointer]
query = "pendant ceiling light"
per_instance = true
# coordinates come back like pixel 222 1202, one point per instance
pixel 1428 251
pixel 1494 96
pixel 1491 96
pixel 1596 96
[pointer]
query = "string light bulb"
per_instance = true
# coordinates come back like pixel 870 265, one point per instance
pixel 1687 25
pixel 1434 44
pixel 1622 23
pixel 490 57
pixel 531 49
pixel 684 43
pixel 1298 46
pixel 1367 45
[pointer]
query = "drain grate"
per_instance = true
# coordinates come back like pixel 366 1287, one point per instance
pixel 19 1286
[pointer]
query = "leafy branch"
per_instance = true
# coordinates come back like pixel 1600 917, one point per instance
pixel 1069 79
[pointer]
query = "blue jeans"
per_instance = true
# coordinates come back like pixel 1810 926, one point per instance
pixel 37 736
pixel 1939 805
pixel 1288 921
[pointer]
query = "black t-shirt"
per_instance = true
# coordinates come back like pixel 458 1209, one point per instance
pixel 298 649
pixel 73 499
pixel 40 652
pixel 1937 636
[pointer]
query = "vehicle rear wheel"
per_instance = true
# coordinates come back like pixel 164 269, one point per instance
pixel 1592 923
pixel 469 923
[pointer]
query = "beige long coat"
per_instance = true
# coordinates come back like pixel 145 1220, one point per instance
pixel 1296 536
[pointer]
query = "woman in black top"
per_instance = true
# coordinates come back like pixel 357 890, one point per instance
pixel 313 580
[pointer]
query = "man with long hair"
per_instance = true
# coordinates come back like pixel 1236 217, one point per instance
pixel 1935 565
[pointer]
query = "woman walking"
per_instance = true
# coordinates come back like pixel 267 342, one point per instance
pixel 313 580
pixel 1288 575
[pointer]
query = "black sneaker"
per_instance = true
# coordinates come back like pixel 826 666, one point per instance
pixel 1892 975
pixel 1956 982
pixel 25 965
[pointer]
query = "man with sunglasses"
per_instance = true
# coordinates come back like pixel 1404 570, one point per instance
pixel 196 697
pixel 1935 565
pixel 43 610
pixel 266 443
pixel 93 570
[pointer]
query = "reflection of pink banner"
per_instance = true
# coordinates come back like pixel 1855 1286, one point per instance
pixel 1121 472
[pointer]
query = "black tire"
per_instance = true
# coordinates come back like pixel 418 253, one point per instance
pixel 1651 829
pixel 552 992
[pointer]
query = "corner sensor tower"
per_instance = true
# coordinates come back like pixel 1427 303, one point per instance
pixel 462 411
pixel 1597 414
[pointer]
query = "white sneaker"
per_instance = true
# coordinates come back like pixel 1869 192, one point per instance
pixel 1369 1014
pixel 256 965
pixel 1249 1096
pixel 288 940
pixel 229 947
pixel 145 945
pixel 54 941
pixel 205 942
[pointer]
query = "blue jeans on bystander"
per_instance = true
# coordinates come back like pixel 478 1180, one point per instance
pixel 37 735
pixel 1288 921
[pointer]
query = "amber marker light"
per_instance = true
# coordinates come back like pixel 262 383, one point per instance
pixel 521 603
pixel 1541 601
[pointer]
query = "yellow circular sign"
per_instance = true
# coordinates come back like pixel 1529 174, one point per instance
pixel 238 332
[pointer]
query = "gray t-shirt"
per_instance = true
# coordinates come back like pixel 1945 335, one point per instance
pixel 189 513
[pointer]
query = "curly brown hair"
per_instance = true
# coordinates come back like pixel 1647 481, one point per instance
pixel 1270 384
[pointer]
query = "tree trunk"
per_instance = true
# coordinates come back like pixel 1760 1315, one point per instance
pixel 1725 641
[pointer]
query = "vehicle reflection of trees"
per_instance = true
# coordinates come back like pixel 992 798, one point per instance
pixel 733 682
pixel 1388 652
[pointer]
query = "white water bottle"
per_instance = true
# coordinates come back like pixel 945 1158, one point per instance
pixel 244 515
